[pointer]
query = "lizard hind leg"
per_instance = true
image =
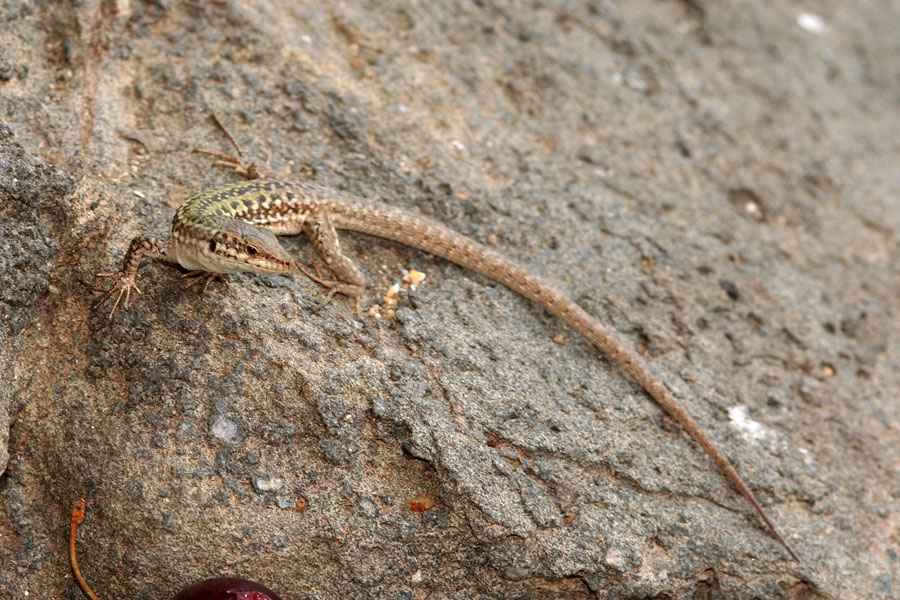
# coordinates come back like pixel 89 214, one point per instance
pixel 348 279
pixel 334 287
pixel 239 164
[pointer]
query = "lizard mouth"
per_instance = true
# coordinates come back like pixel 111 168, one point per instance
pixel 271 264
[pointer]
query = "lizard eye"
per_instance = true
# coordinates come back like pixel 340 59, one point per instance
pixel 251 250
pixel 212 245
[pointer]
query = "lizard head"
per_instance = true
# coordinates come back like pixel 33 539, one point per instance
pixel 239 246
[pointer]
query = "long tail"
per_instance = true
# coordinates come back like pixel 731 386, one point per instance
pixel 435 238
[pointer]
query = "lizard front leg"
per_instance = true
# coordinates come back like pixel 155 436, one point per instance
pixel 201 279
pixel 124 280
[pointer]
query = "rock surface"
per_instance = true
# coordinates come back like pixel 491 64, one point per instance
pixel 718 185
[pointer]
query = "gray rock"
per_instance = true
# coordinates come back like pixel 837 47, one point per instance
pixel 716 183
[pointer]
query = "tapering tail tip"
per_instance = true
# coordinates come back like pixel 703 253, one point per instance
pixel 787 547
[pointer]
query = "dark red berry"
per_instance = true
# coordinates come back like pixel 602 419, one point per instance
pixel 226 588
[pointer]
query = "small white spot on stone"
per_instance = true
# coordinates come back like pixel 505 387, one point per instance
pixel 267 483
pixel 812 23
pixel 223 428
pixel 740 419
pixel 807 457
pixel 417 578
pixel 615 558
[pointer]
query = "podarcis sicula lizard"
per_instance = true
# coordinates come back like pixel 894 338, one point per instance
pixel 232 228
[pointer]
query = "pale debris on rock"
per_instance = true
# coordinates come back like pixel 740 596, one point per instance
pixel 388 308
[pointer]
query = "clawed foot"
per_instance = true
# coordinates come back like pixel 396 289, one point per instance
pixel 334 287
pixel 122 283
pixel 204 277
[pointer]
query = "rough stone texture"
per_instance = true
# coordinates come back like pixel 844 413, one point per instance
pixel 716 182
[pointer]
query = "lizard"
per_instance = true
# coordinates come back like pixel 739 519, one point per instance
pixel 233 228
